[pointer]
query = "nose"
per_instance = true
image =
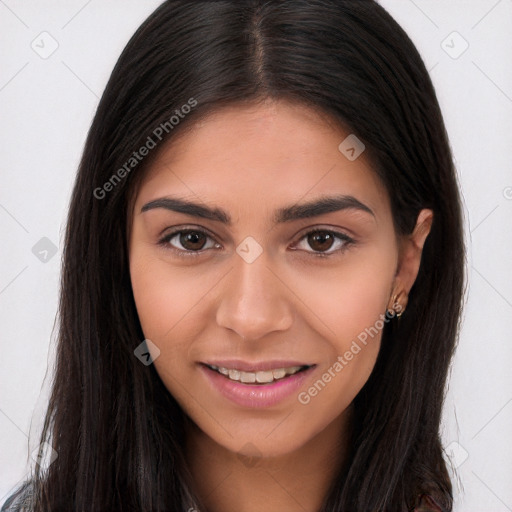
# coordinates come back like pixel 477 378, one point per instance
pixel 255 300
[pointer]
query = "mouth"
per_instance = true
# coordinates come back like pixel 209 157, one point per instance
pixel 256 385
pixel 258 378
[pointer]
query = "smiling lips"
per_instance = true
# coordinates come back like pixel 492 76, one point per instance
pixel 264 372
pixel 259 385
pixel 261 377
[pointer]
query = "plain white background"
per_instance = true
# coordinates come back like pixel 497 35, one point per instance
pixel 47 102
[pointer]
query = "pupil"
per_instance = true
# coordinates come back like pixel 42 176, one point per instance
pixel 192 237
pixel 317 241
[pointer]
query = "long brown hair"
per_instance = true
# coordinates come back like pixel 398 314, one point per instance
pixel 117 430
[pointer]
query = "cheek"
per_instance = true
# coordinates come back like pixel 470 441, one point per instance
pixel 165 297
pixel 169 303
pixel 347 306
pixel 349 298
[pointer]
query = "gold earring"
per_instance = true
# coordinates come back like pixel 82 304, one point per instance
pixel 393 310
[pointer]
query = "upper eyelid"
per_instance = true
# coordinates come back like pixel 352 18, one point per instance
pixel 173 230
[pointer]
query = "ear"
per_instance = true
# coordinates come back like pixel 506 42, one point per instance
pixel 409 259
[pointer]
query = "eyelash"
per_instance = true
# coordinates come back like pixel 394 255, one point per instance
pixel 164 242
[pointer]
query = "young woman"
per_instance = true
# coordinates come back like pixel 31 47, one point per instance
pixel 263 271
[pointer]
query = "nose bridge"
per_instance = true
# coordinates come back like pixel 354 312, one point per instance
pixel 253 301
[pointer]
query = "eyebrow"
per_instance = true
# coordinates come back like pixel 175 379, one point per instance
pixel 314 208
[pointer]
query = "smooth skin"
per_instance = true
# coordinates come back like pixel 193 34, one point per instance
pixel 289 303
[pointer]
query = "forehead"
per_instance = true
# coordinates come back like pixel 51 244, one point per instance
pixel 276 152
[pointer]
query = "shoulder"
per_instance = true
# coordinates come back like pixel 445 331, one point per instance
pixel 427 504
pixel 21 500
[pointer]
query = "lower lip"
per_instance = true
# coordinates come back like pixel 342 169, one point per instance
pixel 256 395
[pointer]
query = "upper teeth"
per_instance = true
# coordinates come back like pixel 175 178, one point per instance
pixel 262 377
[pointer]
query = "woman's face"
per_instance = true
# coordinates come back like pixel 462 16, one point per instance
pixel 255 277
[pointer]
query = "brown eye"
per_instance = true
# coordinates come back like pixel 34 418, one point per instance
pixel 320 240
pixel 188 241
pixel 324 242
pixel 192 240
